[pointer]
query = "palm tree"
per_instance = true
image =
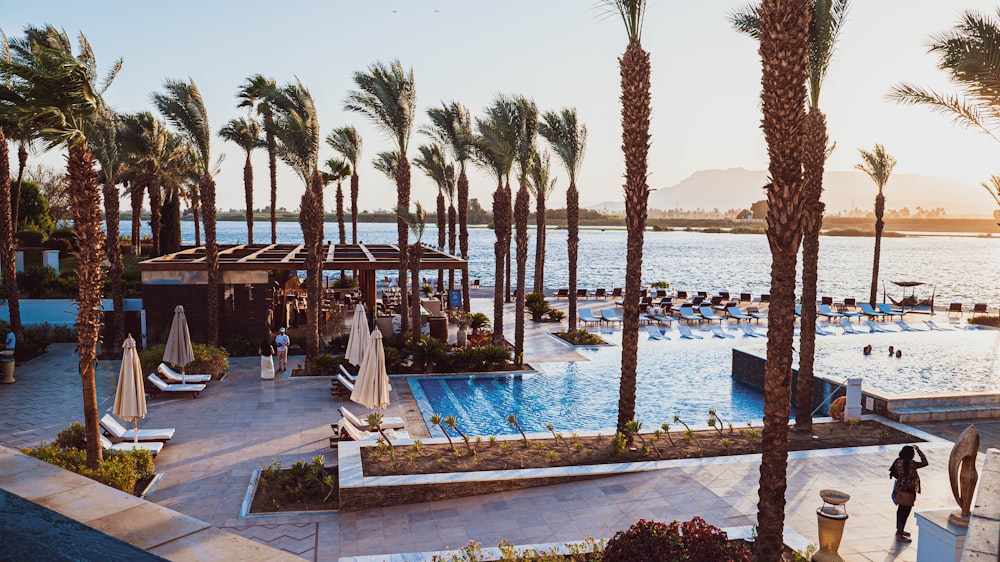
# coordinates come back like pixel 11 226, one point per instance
pixel 568 139
pixel 337 170
pixel 527 134
pixel 13 120
pixel 828 17
pixel 878 164
pixel 246 133
pixel 452 218
pixel 135 132
pixel 432 161
pixel 541 187
pixel 347 142
pixel 784 50
pixel 104 145
pixel 386 95
pixel 416 222
pixel 257 92
pixel 19 129
pixel 634 66
pixel 298 134
pixel 183 106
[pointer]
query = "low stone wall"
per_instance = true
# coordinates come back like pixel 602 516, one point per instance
pixel 748 370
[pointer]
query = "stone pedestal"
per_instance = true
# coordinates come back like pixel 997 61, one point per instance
pixel 50 258
pixel 940 540
pixel 852 409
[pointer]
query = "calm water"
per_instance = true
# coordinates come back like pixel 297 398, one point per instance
pixel 959 268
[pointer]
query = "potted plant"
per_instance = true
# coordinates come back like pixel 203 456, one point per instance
pixel 463 320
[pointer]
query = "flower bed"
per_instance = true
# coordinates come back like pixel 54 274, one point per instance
pixel 304 486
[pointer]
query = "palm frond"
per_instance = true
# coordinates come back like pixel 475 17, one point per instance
pixel 542 183
pixel 631 12
pixel 183 106
pixel 746 20
pixel 451 126
pixel 416 221
pixel 386 95
pixel 431 161
pixel 993 188
pixel 346 141
pixel 567 137
pixel 242 131
pixel 963 112
pixel 877 164
pixel 387 162
pixel 297 129
pixel 337 169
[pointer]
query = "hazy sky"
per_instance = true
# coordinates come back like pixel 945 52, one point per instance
pixel 705 77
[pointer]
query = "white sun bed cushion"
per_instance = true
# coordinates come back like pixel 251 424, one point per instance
pixel 387 422
pixel 120 433
pixel 174 377
pixel 158 383
pixel 122 447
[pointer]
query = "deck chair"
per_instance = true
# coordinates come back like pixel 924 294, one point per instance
pixel 160 386
pixel 870 312
pixel 756 314
pixel 828 301
pixel 600 293
pixel 980 309
pixel 173 377
pixel 655 333
pixel 933 326
pixel 735 313
pixel 587 316
pixel 765 298
pixel 824 311
pixel 682 295
pixel 687 334
pixel 955 308
pixel 347 375
pixel 616 292
pixel 906 327
pixel 562 294
pixel 347 431
pixel 581 293
pixel 688 315
pixel 117 432
pixel 708 314
pixel 153 447
pixel 875 327
pixel 820 331
pixel 888 311
pixel 660 318
pixel 749 332
pixel 848 328
pixel 609 315
pixel 718 332
pixel 387 422
pixel 842 309
pixel 850 303
pixel 746 297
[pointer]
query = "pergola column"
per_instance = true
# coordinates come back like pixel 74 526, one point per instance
pixel 366 282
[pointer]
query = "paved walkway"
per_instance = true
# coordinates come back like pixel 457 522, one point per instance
pixel 243 423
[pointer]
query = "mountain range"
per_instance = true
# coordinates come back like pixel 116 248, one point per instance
pixel 738 188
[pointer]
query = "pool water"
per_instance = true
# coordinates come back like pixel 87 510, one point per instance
pixel 687 378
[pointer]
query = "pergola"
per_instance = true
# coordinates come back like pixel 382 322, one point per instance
pixel 366 259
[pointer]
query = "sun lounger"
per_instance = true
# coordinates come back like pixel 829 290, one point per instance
pixel 587 316
pixel 387 422
pixel 173 377
pixel 347 375
pixel 616 293
pixel 867 310
pixel 600 293
pixel 708 314
pixel 955 308
pixel 152 447
pixel 749 332
pixel 562 294
pixel 609 316
pixel 980 309
pixel 820 331
pixel 160 386
pixel 907 328
pixel 933 326
pixel 718 332
pixel 843 309
pixel 845 323
pixel 824 311
pixel 876 327
pixel 884 308
pixel 688 315
pixel 735 313
pixel 756 314
pixel 655 333
pixel 581 293
pixel 347 431
pixel 687 334
pixel 117 433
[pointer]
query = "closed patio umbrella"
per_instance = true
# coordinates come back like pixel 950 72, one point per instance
pixel 130 397
pixel 179 350
pixel 372 387
pixel 357 342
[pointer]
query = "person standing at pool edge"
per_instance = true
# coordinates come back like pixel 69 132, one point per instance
pixel 11 341
pixel 282 341
pixel 906 487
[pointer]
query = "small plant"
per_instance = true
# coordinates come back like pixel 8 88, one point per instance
pixel 442 462
pixel 578 447
pixel 579 337
pixel 535 303
pixel 394 465
pixel 691 540
pixel 504 447
pixel 551 456
pixel 666 431
pixel 619 443
pixel 512 420
pixel 659 285
pixel 716 422
pixel 883 434
pixel 688 432
pixel 452 424
pixel 807 555
pixel 727 442
pixel 374 421
pixel 493 440
pixel 632 429
pixel 437 420
pixel 418 446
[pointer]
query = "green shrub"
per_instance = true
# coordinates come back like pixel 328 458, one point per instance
pixel 479 321
pixel 659 285
pixel 345 282
pixel 556 315
pixel 239 346
pixel 29 238
pixel 73 437
pixel 207 360
pixel 37 281
pixel 580 337
pixel 64 334
pixel 535 303
pixel 653 541
pixel 337 345
pixel 325 364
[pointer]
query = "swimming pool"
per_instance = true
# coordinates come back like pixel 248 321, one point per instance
pixel 687 378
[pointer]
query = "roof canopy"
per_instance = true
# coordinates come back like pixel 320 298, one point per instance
pixel 258 257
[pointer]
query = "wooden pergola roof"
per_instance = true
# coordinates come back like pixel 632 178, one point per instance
pixel 267 257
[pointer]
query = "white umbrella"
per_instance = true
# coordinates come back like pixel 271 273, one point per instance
pixel 130 398
pixel 372 387
pixel 179 350
pixel 357 343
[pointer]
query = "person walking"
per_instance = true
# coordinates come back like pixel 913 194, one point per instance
pixel 266 351
pixel 282 341
pixel 907 486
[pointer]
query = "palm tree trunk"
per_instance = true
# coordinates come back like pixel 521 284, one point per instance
pixel 339 198
pixel 442 219
pixel 784 47
pixel 354 208
pixel 402 231
pixel 813 160
pixel 521 212
pixel 207 189
pixel 15 194
pixel 635 143
pixel 311 219
pixel 463 233
pixel 272 163
pixel 85 199
pixel 114 336
pixel 136 193
pixel 155 217
pixel 248 193
pixel 415 253
pixel 499 203
pixel 8 248
pixel 539 285
pixel 196 215
pixel 451 244
pixel 879 226
pixel 572 246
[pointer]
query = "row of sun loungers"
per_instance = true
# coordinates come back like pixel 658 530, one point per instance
pixel 685 331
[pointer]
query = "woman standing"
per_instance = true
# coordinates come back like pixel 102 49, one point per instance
pixel 266 359
pixel 907 486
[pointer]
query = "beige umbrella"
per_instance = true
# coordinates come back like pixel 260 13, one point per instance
pixel 372 387
pixel 179 350
pixel 130 398
pixel 357 343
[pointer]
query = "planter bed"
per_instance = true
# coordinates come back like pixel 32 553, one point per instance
pixel 260 502
pixel 604 343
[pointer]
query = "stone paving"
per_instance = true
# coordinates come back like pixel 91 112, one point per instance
pixel 242 423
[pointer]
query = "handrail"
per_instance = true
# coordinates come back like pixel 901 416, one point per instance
pixel 827 397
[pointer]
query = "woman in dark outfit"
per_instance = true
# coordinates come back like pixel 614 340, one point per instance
pixel 904 470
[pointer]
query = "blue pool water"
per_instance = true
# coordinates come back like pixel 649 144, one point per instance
pixel 687 378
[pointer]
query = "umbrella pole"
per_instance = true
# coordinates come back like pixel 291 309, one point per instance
pixel 135 433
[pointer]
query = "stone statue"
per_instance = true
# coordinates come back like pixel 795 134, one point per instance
pixel 963 475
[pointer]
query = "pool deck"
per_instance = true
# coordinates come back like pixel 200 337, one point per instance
pixel 244 422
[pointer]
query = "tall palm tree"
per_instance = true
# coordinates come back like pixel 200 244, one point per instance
pixel 527 134
pixel 387 96
pixel 257 93
pixel 182 105
pixel 347 142
pixel 828 17
pixel 135 139
pixel 784 52
pixel 104 145
pixel 416 222
pixel 451 125
pixel 19 128
pixel 568 139
pixel 634 65
pixel 337 170
pixel 246 133
pixel 298 134
pixel 432 161
pixel 450 193
pixel 542 185
pixel 13 119
pixel 878 164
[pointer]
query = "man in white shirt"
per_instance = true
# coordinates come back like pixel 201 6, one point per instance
pixel 282 341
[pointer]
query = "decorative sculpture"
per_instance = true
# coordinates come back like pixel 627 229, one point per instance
pixel 963 475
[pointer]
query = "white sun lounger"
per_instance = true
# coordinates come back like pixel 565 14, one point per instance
pixel 153 447
pixel 820 331
pixel 719 333
pixel 933 326
pixel 173 377
pixel 875 327
pixel 655 333
pixel 347 374
pixel 194 389
pixel 848 327
pixel 587 316
pixel 347 431
pixel 907 328
pixel 609 316
pixel 117 433
pixel 687 334
pixel 749 332
pixel 387 422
